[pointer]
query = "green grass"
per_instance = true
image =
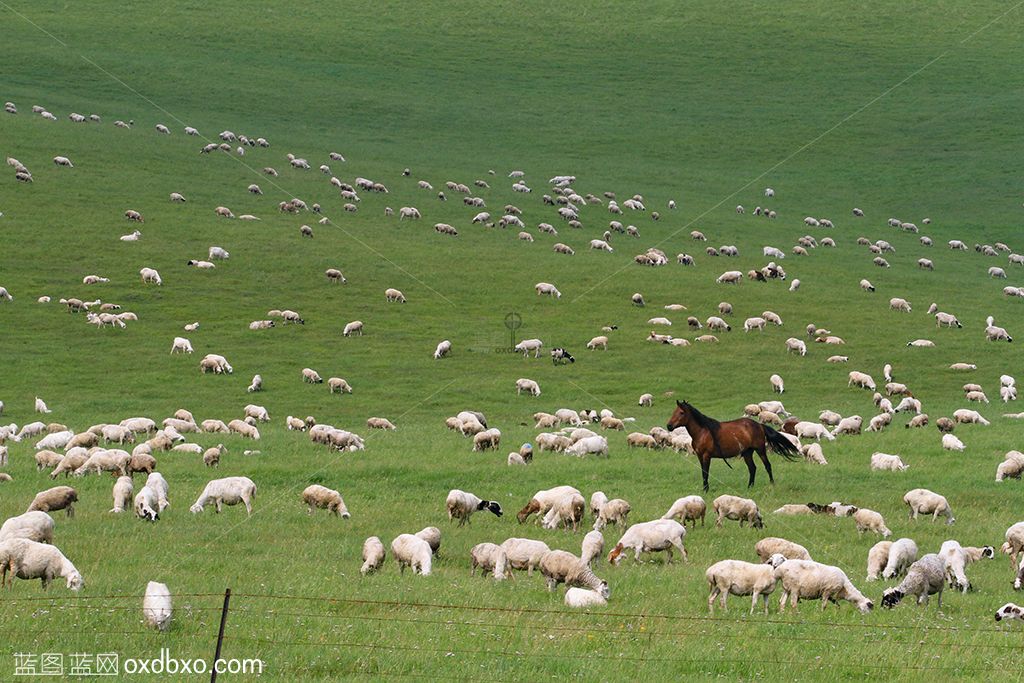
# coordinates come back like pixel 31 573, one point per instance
pixel 700 103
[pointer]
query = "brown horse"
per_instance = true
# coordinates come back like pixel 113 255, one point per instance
pixel 714 439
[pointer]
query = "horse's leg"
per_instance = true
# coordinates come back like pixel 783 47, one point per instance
pixel 705 466
pixel 748 457
pixel 763 453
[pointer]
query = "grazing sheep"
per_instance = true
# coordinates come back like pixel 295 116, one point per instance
pixel 543 500
pixel 226 491
pixel 597 445
pixel 740 578
pixel 547 288
pixel 373 555
pixel 614 511
pixel 878 556
pixel 394 296
pixel 461 505
pixel 56 498
pixel 317 496
pixel 813 453
pixel 925 577
pixel 412 551
pixel 559 566
pixel 29 560
pixel 35 526
pixel 965 416
pixel 796 345
pixel 886 462
pixel 527 385
pixel 528 345
pixel 767 547
pixel 596 342
pixel 957 558
pixel 734 507
pixel 489 557
pixel 567 511
pixel 812 580
pixel 653 536
pixel 524 553
pixel 592 547
pixel 489 439
pixel 156 606
pixel 928 502
pixel 869 520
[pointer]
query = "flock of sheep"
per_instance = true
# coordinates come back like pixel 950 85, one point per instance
pixel 26 541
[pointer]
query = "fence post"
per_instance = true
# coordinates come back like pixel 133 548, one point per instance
pixel 220 634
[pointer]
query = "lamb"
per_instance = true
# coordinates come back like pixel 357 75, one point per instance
pixel 373 555
pixel 597 445
pixel 601 341
pixel 869 520
pixel 867 286
pixel 812 430
pixel 215 426
pixel 1007 611
pixel 244 429
pixel 35 526
pixel 56 498
pixel 543 500
pixel 925 577
pixel 717 324
pixel 151 276
pixel 461 505
pixel 592 547
pixel 730 277
pixel 898 304
pixel 156 606
pixel 812 580
pixel 689 508
pixel 524 553
pixel 317 496
pixel 226 491
pixel 878 556
pixel 490 558
pixel 956 558
pixel 796 345
pixel 584 597
pixel 886 462
pixel 29 560
pixel 613 511
pixel 311 376
pixel 1014 542
pixel 392 295
pixel 756 323
pixel 567 511
pixel 928 502
pixel 952 443
pixel 740 578
pixel 734 507
pixel 527 385
pixel 339 385
pixel 947 319
pixel 489 439
pixel 412 551
pixel 767 547
pixel 813 453
pixel 848 425
pixel 547 288
pixel 862 380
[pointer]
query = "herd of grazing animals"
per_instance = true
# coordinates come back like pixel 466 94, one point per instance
pixel 26 540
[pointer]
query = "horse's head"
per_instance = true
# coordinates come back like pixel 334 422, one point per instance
pixel 680 416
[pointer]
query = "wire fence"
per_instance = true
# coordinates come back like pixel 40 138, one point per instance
pixel 406 632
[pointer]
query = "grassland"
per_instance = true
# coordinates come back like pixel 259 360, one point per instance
pixel 902 110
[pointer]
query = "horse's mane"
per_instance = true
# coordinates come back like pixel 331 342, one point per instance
pixel 709 423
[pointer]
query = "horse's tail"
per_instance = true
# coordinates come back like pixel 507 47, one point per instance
pixel 780 444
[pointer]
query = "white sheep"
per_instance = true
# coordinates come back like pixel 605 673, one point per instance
pixel 528 385
pixel 412 551
pixel 35 526
pixel 29 560
pixel 443 349
pixel 373 555
pixel 317 496
pixel 869 520
pixel 592 547
pixel 736 577
pixel 543 500
pixel 886 462
pixel 597 445
pixel 653 536
pixel 767 547
pixel 151 276
pixel 547 288
pixel 878 556
pixel 461 505
pixel 181 345
pixel 156 606
pixel 226 491
pixel 925 577
pixel 489 557
pixel 734 507
pixel 813 581
pixel 928 502
pixel 524 553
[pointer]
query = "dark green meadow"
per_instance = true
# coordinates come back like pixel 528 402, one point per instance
pixel 908 110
